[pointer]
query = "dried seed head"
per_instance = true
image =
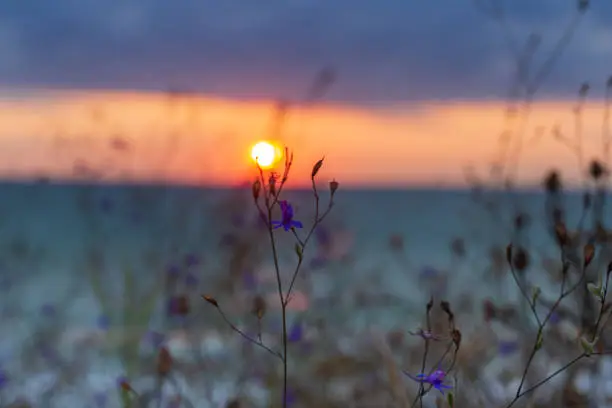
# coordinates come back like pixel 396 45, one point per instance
pixel 509 254
pixel 210 300
pixel 256 189
pixel 164 361
pixel 333 186
pixel 589 253
pixel 596 170
pixel 259 307
pixel 521 260
pixel 316 168
pixel 552 182
pixel 456 336
pixel 272 183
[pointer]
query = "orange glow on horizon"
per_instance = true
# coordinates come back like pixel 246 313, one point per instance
pixel 197 140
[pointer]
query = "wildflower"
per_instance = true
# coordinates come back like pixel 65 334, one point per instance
pixel 287 221
pixel 435 379
pixel 295 333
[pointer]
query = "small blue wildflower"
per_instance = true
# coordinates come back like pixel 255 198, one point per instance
pixel 506 348
pixel 290 397
pixel 296 332
pixel 554 318
pixel 103 322
pixel 435 379
pixel 287 221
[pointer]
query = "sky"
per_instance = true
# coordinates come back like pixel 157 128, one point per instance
pixel 420 88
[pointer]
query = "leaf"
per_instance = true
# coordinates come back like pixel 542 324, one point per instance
pixel 539 340
pixel 450 398
pixel 316 168
pixel 587 346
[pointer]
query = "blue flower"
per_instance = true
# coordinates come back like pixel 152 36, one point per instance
pixel 435 379
pixel 296 332
pixel 287 221
pixel 507 347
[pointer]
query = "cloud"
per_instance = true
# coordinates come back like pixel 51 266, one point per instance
pixel 389 50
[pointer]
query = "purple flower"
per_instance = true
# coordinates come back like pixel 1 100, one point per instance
pixel 507 347
pixel 290 397
pixel 435 379
pixel 296 332
pixel 287 221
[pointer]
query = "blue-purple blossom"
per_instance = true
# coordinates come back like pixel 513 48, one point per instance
pixel 435 379
pixel 287 221
pixel 296 332
pixel 507 347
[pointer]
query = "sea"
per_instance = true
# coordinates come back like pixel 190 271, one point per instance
pixel 96 279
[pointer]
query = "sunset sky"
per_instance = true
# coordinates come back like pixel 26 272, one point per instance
pixel 420 93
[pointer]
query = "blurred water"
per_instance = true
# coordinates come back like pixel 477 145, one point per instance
pixel 53 237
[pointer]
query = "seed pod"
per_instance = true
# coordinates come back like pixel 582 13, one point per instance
pixel 589 253
pixel 316 168
pixel 210 300
pixel 164 362
pixel 259 307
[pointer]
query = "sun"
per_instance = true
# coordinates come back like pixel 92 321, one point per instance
pixel 265 154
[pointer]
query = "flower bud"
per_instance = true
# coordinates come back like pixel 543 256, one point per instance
pixel 210 300
pixel 316 168
pixel 256 189
pixel 333 186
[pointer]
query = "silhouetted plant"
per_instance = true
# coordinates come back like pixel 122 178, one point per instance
pixel 267 196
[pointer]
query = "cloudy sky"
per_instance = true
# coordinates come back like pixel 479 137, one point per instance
pixel 383 51
pixel 420 90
